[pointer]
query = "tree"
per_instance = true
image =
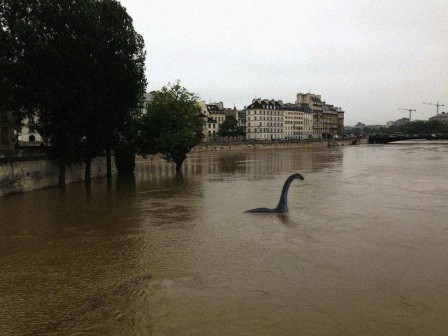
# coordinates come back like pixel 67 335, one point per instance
pixel 229 128
pixel 53 45
pixel 417 127
pixel 121 75
pixel 76 65
pixel 172 125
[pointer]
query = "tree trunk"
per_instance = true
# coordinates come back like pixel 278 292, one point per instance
pixel 61 183
pixel 108 163
pixel 179 165
pixel 87 178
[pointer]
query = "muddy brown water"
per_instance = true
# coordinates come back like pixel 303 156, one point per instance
pixel 363 250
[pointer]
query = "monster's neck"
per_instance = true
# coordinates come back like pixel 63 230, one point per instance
pixel 283 202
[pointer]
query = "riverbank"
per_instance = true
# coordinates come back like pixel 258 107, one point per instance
pixel 26 170
pixel 247 145
pixel 31 169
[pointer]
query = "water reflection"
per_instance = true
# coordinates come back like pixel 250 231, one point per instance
pixel 361 250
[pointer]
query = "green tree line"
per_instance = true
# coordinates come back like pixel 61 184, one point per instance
pixel 414 127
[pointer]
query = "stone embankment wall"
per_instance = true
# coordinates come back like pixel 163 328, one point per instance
pixel 281 144
pixel 26 170
pixel 29 170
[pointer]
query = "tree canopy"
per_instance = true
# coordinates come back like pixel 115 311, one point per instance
pixel 121 69
pixel 77 67
pixel 417 127
pixel 229 128
pixel 172 125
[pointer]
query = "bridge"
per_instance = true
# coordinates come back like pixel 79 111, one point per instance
pixel 386 138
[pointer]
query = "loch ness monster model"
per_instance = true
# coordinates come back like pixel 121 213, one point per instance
pixel 282 206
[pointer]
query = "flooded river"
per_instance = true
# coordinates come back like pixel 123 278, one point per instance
pixel 363 250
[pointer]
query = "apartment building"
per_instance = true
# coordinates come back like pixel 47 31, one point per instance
pixel 214 115
pixel 328 120
pixel 241 118
pixel 297 122
pixel 443 117
pixel 210 128
pixel 264 120
pixel 272 120
pixel 313 104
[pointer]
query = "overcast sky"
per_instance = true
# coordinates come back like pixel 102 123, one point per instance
pixel 368 57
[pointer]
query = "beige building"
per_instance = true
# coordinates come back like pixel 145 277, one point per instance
pixel 443 117
pixel 297 122
pixel 241 118
pixel 272 120
pixel 214 115
pixel 264 120
pixel 210 128
pixel 314 105
pixel 216 112
pixel 331 120
pixel 308 123
pixel 328 120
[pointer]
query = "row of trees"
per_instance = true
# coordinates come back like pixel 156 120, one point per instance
pixel 76 67
pixel 414 127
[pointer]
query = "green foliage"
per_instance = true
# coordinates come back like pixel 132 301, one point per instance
pixel 229 128
pixel 121 71
pixel 417 127
pixel 125 158
pixel 76 65
pixel 172 125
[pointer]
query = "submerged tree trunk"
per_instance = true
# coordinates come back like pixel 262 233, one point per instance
pixel 87 178
pixel 108 163
pixel 61 183
pixel 179 165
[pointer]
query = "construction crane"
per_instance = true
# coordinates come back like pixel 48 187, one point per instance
pixel 410 112
pixel 437 104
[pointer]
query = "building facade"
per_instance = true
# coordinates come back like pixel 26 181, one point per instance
pixel 313 104
pixel 443 117
pixel 328 120
pixel 210 128
pixel 29 136
pixel 297 122
pixel 241 118
pixel 214 115
pixel 264 120
pixel 272 120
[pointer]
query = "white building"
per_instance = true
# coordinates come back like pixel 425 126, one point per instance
pixel 29 136
pixel 272 120
pixel 264 120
